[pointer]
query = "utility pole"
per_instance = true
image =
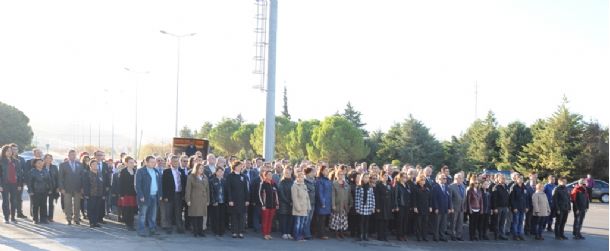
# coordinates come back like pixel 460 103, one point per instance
pixel 269 133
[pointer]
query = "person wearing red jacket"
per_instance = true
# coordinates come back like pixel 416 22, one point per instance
pixel 580 204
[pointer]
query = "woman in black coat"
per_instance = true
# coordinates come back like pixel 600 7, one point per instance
pixel 423 207
pixel 403 205
pixel 127 192
pixel 285 196
pixel 384 206
pixel 54 175
pixel 237 197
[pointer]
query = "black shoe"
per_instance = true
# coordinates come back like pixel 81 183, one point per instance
pixel 202 234
pixel 558 238
pixel 548 229
pixel 435 239
pixel 21 216
pixel 77 222
pixel 418 239
pixel 503 238
pixel 443 239
pixel 564 237
pixel 459 239
pixel 452 238
pixel 241 236
pixel 366 237
pixel 424 239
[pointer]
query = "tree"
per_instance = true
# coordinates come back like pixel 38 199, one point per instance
pixel 373 141
pixel 221 136
pixel 455 155
pixel 14 126
pixel 410 142
pixel 482 140
pixel 354 116
pixel 205 130
pixel 283 127
pixel 556 144
pixel 512 139
pixel 285 111
pixel 594 156
pixel 185 132
pixel 242 138
pixel 337 140
pixel 299 138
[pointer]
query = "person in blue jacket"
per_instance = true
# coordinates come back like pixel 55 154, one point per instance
pixel 148 192
pixel 548 190
pixel 441 207
pixel 324 189
pixel 519 206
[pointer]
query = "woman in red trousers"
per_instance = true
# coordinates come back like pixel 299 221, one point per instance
pixel 270 203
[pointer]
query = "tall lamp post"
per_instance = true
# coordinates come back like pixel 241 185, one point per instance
pixel 135 136
pixel 178 38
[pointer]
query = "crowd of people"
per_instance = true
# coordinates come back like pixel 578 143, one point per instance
pixel 203 194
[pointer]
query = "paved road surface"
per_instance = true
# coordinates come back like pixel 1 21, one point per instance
pixel 59 236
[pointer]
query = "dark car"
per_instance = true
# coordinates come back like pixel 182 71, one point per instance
pixel 600 190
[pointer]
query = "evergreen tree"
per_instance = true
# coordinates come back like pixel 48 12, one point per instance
pixel 556 144
pixel 512 139
pixel 285 110
pixel 185 132
pixel 355 117
pixel 482 140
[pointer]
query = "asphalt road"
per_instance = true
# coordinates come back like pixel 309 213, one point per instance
pixel 112 236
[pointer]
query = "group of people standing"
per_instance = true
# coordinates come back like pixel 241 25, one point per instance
pixel 302 202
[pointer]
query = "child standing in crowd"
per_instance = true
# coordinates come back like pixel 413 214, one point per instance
pixel 541 210
pixel 269 200
pixel 365 204
pixel 342 202
pixel 300 206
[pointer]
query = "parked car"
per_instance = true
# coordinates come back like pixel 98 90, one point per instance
pixel 600 190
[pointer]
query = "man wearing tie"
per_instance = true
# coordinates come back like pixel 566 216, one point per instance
pixel 441 206
pixel 71 187
pixel 105 172
pixel 457 192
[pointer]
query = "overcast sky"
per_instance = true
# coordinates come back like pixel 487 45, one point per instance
pixel 61 62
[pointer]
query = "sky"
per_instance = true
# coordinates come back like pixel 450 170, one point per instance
pixel 62 63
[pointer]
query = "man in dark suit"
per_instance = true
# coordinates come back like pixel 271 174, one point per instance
pixel 457 192
pixel 174 184
pixel 71 187
pixel 106 172
pixel 441 207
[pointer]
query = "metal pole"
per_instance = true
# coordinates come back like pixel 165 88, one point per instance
pixel 269 133
pixel 177 86
pixel 135 135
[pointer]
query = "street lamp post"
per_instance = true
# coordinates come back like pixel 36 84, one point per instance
pixel 135 140
pixel 178 38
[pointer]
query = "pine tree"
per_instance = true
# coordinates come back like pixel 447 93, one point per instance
pixel 285 111
pixel 354 116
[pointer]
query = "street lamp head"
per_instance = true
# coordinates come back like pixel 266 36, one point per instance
pixel 127 69
pixel 192 34
pixel 164 32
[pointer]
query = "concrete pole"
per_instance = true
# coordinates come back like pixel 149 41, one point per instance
pixel 269 133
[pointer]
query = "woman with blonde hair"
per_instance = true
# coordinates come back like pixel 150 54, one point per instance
pixel 197 198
